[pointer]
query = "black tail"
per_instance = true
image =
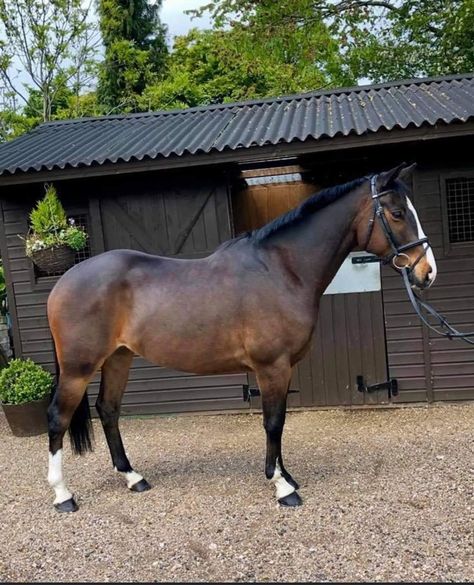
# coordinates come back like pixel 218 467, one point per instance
pixel 81 432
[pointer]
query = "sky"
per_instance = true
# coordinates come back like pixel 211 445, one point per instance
pixel 172 14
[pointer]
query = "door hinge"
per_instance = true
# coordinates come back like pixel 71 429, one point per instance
pixel 249 392
pixel 390 385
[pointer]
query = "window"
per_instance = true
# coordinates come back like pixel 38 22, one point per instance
pixel 460 209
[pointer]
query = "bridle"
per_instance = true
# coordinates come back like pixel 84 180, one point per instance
pixel 397 251
pixel 419 305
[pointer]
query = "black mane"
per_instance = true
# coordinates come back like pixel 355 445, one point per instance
pixel 315 202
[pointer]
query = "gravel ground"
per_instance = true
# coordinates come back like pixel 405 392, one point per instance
pixel 388 496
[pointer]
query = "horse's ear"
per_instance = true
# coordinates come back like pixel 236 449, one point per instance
pixel 388 177
pixel 406 174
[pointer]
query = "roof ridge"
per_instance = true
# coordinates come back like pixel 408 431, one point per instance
pixel 261 101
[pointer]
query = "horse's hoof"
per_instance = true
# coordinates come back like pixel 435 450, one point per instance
pixel 291 500
pixel 141 486
pixel 67 506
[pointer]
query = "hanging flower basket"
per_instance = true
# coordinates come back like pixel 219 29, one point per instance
pixel 53 241
pixel 54 260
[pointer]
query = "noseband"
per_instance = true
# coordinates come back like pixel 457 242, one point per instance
pixel 398 252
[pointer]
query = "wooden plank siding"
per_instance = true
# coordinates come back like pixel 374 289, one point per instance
pixel 189 216
pixel 349 340
pixel 428 367
pixel 173 217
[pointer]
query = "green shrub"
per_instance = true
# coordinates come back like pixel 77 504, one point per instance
pixel 49 215
pixel 24 381
pixel 50 227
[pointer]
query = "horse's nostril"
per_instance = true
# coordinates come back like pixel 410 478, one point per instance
pixel 430 270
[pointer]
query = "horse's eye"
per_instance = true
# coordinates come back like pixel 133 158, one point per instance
pixel 397 214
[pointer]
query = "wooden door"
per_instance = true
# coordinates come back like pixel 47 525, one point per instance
pixel 349 341
pixel 181 218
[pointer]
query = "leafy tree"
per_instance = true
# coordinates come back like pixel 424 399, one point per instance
pixel 243 59
pixel 52 43
pixel 12 122
pixel 135 50
pixel 378 39
pixel 417 38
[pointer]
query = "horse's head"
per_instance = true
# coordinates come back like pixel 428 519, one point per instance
pixel 389 227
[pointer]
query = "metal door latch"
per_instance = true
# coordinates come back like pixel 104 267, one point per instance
pixel 390 385
pixel 249 392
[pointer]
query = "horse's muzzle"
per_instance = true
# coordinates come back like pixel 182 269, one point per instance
pixel 419 283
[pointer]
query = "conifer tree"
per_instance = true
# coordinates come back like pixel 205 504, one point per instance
pixel 135 51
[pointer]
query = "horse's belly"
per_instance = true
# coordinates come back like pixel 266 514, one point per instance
pixel 198 348
pixel 194 359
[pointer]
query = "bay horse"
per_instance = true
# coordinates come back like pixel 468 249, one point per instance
pixel 251 305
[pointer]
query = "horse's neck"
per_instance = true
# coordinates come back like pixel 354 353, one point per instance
pixel 318 246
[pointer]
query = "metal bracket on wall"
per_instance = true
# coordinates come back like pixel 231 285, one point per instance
pixel 249 392
pixel 390 385
pixel 365 259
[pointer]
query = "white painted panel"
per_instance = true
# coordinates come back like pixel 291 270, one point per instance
pixel 355 278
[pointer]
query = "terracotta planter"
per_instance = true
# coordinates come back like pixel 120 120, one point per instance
pixel 28 419
pixel 54 260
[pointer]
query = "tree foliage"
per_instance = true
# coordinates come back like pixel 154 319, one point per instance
pixel 378 39
pixel 255 48
pixel 46 48
pixel 417 38
pixel 135 51
pixel 249 58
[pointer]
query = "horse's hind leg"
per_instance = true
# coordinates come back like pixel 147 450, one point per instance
pixel 274 382
pixel 112 386
pixel 69 407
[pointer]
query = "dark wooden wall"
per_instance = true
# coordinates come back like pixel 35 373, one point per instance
pixel 189 214
pixel 164 214
pixel 427 366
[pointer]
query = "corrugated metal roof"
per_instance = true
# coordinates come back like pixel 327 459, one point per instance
pixel 357 110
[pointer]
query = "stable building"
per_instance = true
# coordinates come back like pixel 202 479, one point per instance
pixel 179 183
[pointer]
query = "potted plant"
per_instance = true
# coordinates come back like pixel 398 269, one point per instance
pixel 53 241
pixel 25 390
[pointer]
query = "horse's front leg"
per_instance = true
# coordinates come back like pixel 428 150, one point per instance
pixel 274 382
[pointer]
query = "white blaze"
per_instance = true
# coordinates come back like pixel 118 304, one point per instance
pixel 421 234
pixel 55 477
pixel 283 488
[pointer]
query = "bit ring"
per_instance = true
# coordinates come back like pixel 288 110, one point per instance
pixel 394 261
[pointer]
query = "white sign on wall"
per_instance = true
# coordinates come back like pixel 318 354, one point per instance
pixel 355 278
